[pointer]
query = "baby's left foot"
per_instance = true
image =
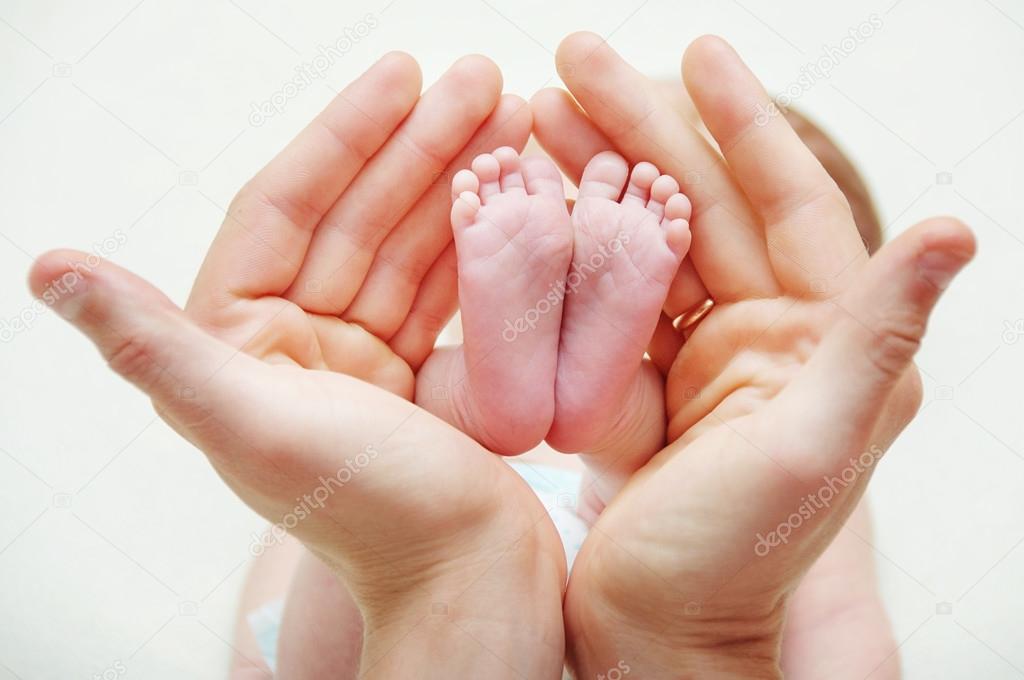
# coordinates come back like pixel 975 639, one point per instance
pixel 628 242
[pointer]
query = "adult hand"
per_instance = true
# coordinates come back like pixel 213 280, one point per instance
pixel 800 376
pixel 332 271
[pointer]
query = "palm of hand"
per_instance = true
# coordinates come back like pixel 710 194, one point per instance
pixel 279 330
pixel 743 454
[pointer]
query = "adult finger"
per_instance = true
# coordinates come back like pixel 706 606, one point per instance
pixel 193 378
pixel 665 344
pixel 565 132
pixel 444 120
pixel 809 229
pixel 728 245
pixel 881 320
pixel 571 139
pixel 268 226
pixel 411 248
pixel 434 306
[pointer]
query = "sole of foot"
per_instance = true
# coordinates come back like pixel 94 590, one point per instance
pixel 631 232
pixel 513 240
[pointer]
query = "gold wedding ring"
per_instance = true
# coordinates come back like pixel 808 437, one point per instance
pixel 693 316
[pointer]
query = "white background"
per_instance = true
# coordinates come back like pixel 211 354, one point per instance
pixel 134 116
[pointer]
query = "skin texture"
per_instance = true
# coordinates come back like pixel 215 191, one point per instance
pixel 800 312
pixel 836 626
pixel 757 434
pixel 574 377
pixel 513 244
pixel 268 375
pixel 631 231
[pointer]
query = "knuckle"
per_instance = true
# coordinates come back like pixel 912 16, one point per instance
pixel 243 198
pixel 432 321
pixel 131 357
pixel 896 342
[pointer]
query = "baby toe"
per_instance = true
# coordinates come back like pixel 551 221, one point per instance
pixel 464 209
pixel 678 207
pixel 661 190
pixel 604 177
pixel 640 181
pixel 677 235
pixel 510 175
pixel 464 180
pixel 488 171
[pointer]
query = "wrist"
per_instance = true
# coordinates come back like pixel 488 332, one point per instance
pixel 495 615
pixel 668 640
pixel 465 639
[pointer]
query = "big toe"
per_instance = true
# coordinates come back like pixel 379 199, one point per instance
pixel 511 176
pixel 604 177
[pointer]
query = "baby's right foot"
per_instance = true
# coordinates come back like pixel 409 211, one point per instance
pixel 514 243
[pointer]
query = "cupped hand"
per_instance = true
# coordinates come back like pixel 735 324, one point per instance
pixel 338 255
pixel 780 402
pixel 334 270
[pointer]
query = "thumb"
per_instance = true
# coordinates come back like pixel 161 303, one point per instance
pixel 882 318
pixel 143 336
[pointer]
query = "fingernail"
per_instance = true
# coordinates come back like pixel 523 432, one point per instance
pixel 938 267
pixel 65 294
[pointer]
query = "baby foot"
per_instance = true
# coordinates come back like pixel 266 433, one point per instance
pixel 628 243
pixel 514 242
